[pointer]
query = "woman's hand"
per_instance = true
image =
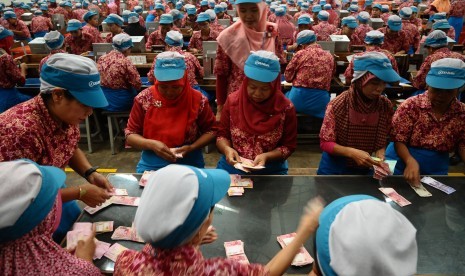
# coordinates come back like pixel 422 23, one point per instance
pixel 381 153
pixel 210 236
pixel 412 172
pixel 93 195
pixel 362 158
pixel 310 218
pixel 184 150
pixel 163 151
pixel 85 249
pixel 260 160
pixel 101 181
pixel 232 157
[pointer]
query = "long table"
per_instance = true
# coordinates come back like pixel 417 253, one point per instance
pixel 274 206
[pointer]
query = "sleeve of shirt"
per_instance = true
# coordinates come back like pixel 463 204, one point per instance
pixel 349 73
pixel 402 122
pixel 222 63
pixel 198 68
pixel 220 266
pixel 206 119
pixel 289 139
pixel 136 119
pixel 15 72
pixel 291 68
pixel 405 44
pixel 279 50
pixel 133 76
pixel 24 29
pixel 328 128
pixel 420 79
pixel 192 43
pixel 224 126
pixel 150 40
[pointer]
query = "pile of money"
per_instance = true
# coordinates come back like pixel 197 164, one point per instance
pixel 247 165
pixel 144 178
pixel 303 257
pixel 116 199
pixel 114 251
pixel 235 251
pixel 127 234
pixel 394 196
pixel 238 184
pixel 381 171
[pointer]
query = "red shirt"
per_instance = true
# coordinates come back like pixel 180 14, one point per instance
pixel 193 68
pixel 323 30
pixel 360 33
pixel 79 14
pixel 196 39
pixel 457 8
pixel 41 24
pixel 282 138
pixel 184 260
pixel 79 45
pixel 395 42
pixel 20 27
pixel 155 38
pixel 311 67
pixel 29 131
pixel 118 72
pixel 94 32
pixel 412 33
pixel 415 125
pixel 10 74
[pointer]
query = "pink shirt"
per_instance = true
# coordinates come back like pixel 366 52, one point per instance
pixel 41 24
pixel 118 72
pixel 415 125
pixel 189 262
pixel 29 131
pixel 79 14
pixel 10 74
pixel 311 67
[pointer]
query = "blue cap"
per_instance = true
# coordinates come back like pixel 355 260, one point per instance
pixel 436 39
pixel 304 6
pixel 114 19
pixel 446 73
pixel 177 15
pixel 38 12
pixel 79 75
pixel 187 211
pixel 363 17
pixel 394 23
pixel 262 66
pixel 439 16
pixel 138 9
pixel 169 66
pixel 328 7
pixel 53 1
pixel 204 3
pixel 159 7
pixel 323 16
pixel 368 3
pixel 304 20
pixel 85 4
pixel 122 42
pixel 378 64
pixel 218 9
pixel 377 6
pixel 414 9
pixel 374 37
pixel 174 38
pixel 179 5
pixel 88 15
pixel 73 25
pixel 279 11
pixel 166 19
pixel 306 37
pixel 405 13
pixel 191 10
pixel 211 4
pixel 322 2
pixel 68 4
pixel 248 1
pixel 9 14
pixel 316 8
pixel 203 17
pixel 4 32
pixel 442 24
pixel 37 208
pixel 353 8
pixel 349 21
pixel 54 40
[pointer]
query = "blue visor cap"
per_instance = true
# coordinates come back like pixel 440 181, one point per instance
pixel 327 217
pixel 191 11
pixel 323 16
pixel 248 1
pixel 349 22
pixel 261 69
pixel 203 3
pixel 159 7
pixel 381 68
pixel 304 20
pixel 114 20
pixel 85 88
pixel 89 15
pixel 44 7
pixel 368 3
pixel 52 180
pixel 213 186
pixel 439 16
pixel 179 5
pixel 445 77
pixel 306 39
pixel 138 9
pixel 322 2
pixel 55 44
pixel 9 14
pixel 170 69
pixel 414 9
pixel 374 40
pixel 85 4
pixel 73 26
pixel 441 25
pixel 395 25
pixel 218 9
pixel 5 33
pixel 316 8
pixel 377 6
pixel 166 19
pixel 203 17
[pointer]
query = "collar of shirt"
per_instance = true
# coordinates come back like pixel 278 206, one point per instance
pixel 425 103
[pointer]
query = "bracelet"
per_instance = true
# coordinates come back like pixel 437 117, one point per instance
pixel 82 192
pixel 90 171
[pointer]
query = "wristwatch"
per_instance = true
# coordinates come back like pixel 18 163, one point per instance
pixel 90 171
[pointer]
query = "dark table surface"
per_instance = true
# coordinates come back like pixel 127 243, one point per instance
pixel 273 207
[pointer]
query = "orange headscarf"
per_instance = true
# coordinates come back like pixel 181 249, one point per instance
pixel 441 5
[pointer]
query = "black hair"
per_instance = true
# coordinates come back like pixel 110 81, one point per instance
pixel 48 96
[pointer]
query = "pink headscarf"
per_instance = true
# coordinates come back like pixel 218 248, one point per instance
pixel 237 41
pixel 37 254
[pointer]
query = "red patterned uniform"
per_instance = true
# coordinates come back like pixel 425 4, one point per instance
pixel 79 45
pixel 155 38
pixel 323 30
pixel 94 32
pixel 118 72
pixel 196 39
pixel 360 33
pixel 10 75
pixel 44 60
pixel 21 27
pixel 395 42
pixel 41 24
pixel 412 33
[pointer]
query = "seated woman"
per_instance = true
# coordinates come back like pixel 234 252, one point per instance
pixel 170 119
pixel 357 122
pixel 10 74
pixel 205 34
pixel 258 122
pixel 134 27
pixel 54 41
pixel 120 80
pixel 40 25
pixel 30 212
pixel 429 126
pixel 174 249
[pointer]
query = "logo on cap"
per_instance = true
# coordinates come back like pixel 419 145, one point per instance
pixel 445 73
pixel 168 65
pixel 261 63
pixel 93 83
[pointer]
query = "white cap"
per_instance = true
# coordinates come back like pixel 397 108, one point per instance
pixel 385 7
pixel 175 36
pixel 211 13
pixel 364 15
pixel 170 55
pixel 121 41
pixel 265 54
pixel 224 5
pixel 405 12
pixel 133 19
pixel 54 40
pixel 323 14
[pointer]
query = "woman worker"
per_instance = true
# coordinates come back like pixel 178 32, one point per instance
pixel 120 80
pixel 357 122
pixel 251 33
pixel 170 119
pixel 258 122
pixel 45 129
pixel 429 126
pixel 10 74
pixel 31 204
pixel 174 249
